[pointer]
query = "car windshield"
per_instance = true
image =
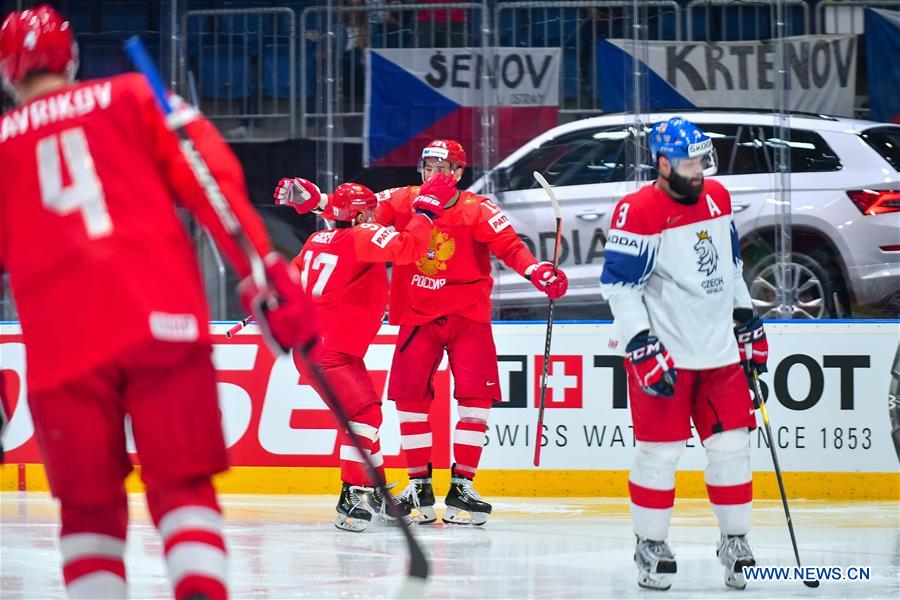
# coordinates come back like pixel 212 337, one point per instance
pixel 587 156
pixel 607 154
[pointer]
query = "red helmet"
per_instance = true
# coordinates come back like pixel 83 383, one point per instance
pixel 348 200
pixel 37 39
pixel 449 150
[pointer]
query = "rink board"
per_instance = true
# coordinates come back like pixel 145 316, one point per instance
pixel 830 417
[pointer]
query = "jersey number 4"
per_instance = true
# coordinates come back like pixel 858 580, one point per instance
pixel 84 194
pixel 323 262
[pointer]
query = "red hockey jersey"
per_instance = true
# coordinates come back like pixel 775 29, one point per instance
pixel 345 273
pixel 453 276
pixel 97 256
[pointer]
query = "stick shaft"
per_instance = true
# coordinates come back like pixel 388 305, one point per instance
pixel 547 341
pixel 771 441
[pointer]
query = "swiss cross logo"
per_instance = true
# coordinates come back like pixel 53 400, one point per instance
pixel 564 381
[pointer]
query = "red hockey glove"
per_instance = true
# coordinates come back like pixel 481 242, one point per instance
pixel 301 194
pixel 753 346
pixel 442 186
pixel 429 206
pixel 281 308
pixel 651 366
pixel 542 276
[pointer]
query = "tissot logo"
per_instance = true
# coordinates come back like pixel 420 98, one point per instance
pixel 513 380
pixel 564 381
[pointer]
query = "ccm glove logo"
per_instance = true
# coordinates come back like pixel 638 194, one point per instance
pixel 651 366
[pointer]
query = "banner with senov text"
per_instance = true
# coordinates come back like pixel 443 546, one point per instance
pixel 415 95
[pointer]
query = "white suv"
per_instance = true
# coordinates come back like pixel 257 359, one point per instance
pixel 845 207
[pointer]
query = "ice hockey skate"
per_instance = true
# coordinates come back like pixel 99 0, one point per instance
pixel 735 554
pixel 379 506
pixel 418 498
pixel 655 563
pixel 354 512
pixel 462 500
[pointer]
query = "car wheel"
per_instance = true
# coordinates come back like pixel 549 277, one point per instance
pixel 813 289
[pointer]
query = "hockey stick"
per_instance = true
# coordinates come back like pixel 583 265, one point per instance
pixel 811 583
pixel 417 574
pixel 540 422
pixel 240 325
pixel 134 48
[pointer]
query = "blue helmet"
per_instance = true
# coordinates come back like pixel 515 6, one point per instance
pixel 678 138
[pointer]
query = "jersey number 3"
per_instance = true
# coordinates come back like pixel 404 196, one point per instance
pixel 84 194
pixel 324 262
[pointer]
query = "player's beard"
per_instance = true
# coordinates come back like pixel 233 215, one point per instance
pixel 687 191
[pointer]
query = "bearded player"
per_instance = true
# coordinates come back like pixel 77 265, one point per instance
pixel 673 276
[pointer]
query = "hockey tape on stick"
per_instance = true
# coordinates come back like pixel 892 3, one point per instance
pixel 770 440
pixel 540 424
pixel 240 325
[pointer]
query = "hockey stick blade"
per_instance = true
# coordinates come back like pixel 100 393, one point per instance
pixel 557 212
pixel 757 390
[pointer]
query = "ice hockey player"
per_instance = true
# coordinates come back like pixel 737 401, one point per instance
pixel 344 271
pixel 442 303
pixel 112 307
pixel 673 277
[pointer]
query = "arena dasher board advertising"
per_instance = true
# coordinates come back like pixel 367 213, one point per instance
pixel 827 386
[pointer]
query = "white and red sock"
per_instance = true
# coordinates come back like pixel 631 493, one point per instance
pixel 190 524
pixel 93 565
pixel 651 485
pixel 729 480
pixel 415 436
pixel 469 436
pixel 92 543
pixel 353 466
pixel 195 551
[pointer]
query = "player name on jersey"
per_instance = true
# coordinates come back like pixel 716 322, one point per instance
pixel 58 107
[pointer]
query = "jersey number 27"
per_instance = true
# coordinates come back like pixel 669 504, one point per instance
pixel 84 194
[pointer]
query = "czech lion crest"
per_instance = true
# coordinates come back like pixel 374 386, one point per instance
pixel 707 256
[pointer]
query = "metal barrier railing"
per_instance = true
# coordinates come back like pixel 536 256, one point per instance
pixel 214 273
pixel 847 16
pixel 244 63
pixel 737 20
pixel 576 26
pixel 324 83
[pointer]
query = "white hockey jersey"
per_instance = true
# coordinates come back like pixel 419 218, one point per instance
pixel 676 270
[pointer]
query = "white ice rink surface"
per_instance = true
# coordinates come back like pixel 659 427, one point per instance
pixel 287 547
